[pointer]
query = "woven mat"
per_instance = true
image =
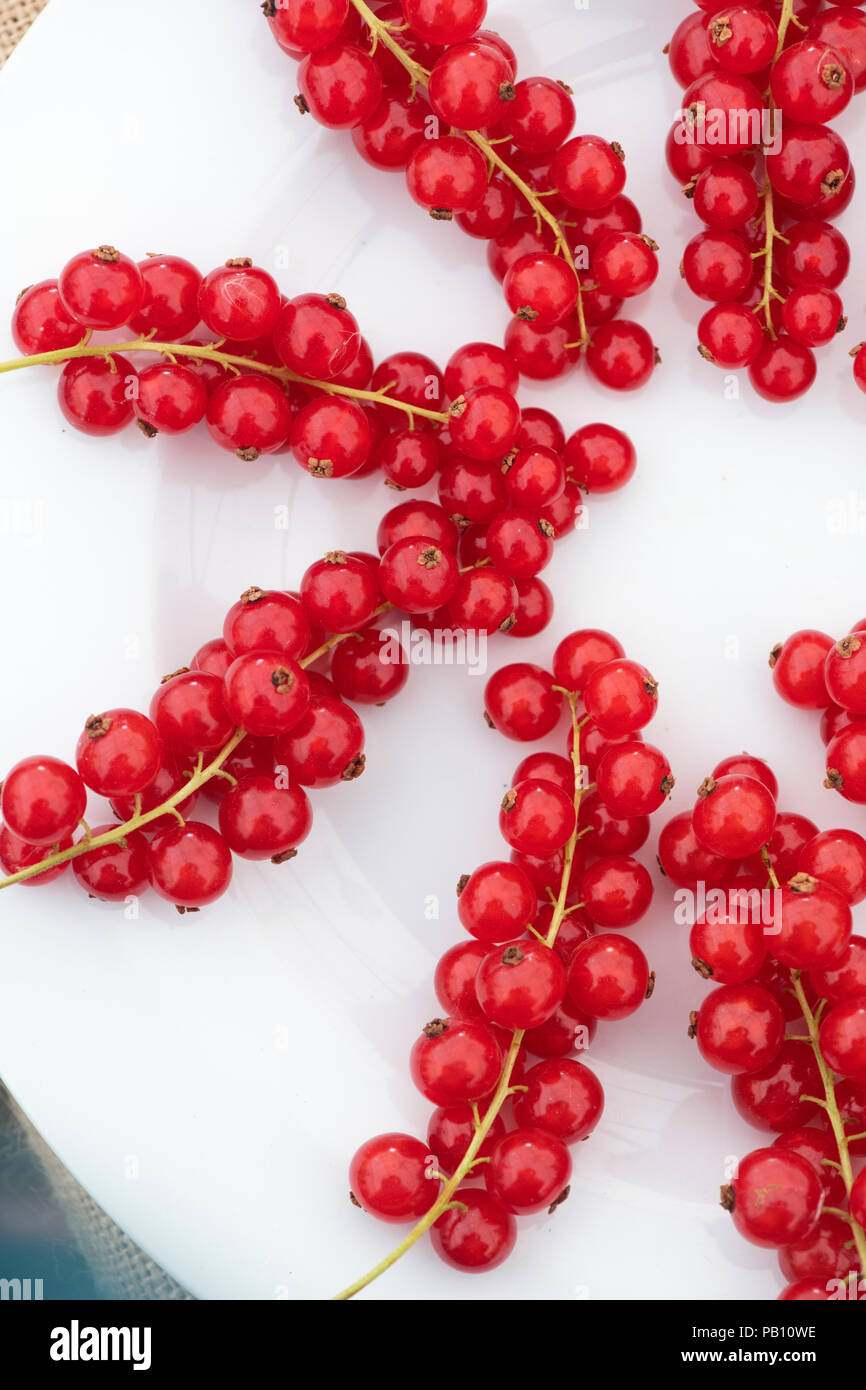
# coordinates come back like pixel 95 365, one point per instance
pixel 119 1268
pixel 16 16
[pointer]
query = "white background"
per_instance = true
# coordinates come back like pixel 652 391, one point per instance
pixel 208 1077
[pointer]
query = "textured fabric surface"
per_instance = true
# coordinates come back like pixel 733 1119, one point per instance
pixel 120 1269
pixel 16 16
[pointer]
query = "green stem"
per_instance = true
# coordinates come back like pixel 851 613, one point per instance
pixel 211 352
pixel 381 33
pixel 504 1088
pixel 771 235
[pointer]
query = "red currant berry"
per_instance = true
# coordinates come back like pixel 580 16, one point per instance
pixel 521 703
pixel 519 985
pixel 566 1032
pixel 608 977
pixel 302 26
pixel 416 575
pixel 727 944
pixel 331 437
pixel 812 163
pixel 484 601
pixel 494 214
pixel 392 131
pixel 239 300
pixel 581 653
pixel 534 607
pixel 717 266
pixel 563 1098
pixel 812 315
pixel 97 394
pixel 734 816
pixel 102 289
pixel 411 377
pixel 846 763
pixel 471 490
pixel 725 196
pixel 40 323
pixel 811 82
pixel 340 85
pixel 369 670
pixel 249 414
pixel 266 620
pixel 541 114
pixel 689 52
pixel 535 478
pixel 843 1038
pixel 812 925
pixel 455 1062
pixel 520 543
pixel 606 834
pixel 189 710
pixel 169 309
pixel 446 176
pixel 798 668
pixel 634 779
pixel 529 1169
pixel 189 865
pixel 773 1098
pixel 815 254
pixel 480 364
pixel 325 746
pixel 114 872
pixel 409 458
pixel 845 673
pixel 520 238
pixel 260 820
pixel 683 859
pixel 624 264
pixel 775 1199
pixel 119 752
pixel 543 354
pixel 736 107
pixel 731 336
pixel 476 1235
pixel 620 697
pixel 171 398
pixel 391 1177
pixel 339 593
pixel 742 39
pixel 588 172
pixel 417 518
pixel 541 289
pixel 484 422
pixel 846 977
pixel 537 818
pixel 454 980
pixel 444 21
pixel 617 891
pixel 316 336
pixel 470 85
pixel 266 692
pixel 600 459
pixel 497 902
pixel 621 355
pixel 739 1028
pixel 43 800
pixel 16 854
pixel 826 1254
pixel 451 1131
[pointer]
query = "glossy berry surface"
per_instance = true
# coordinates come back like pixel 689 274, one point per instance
pixel 119 752
pixel 528 1170
pixel 42 800
pixel 391 1177
pixel 114 872
pixel 477 1238
pixel 562 1097
pixel 190 865
pixel 520 701
pixel 266 693
pixel 325 746
pixel 537 818
pixel 316 335
pixel 621 697
pixel 520 985
pixel 95 394
pixel 843 1038
pixel 734 816
pixel 249 414
pixel 775 1198
pixel 41 323
pixel 101 289
pixel 455 1062
pixel 261 820
pixel 451 1131
pixel 497 902
pixel 340 85
pixel 740 1028
pixel 608 977
pixel 239 301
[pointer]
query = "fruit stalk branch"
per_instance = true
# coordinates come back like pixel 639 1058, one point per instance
pixel 211 352
pixel 830 1103
pixel 381 32
pixel 504 1088
pixel 771 234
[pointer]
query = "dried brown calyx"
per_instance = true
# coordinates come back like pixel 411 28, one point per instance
pixel 239 262
pixel 834 781
pixel 705 971
pixel 775 654
pixel 832 182
pixel 527 313
pixel 651 984
pixel 97 726
pixel 252 594
pixel 833 76
pixel 435 1028
pixel 430 558
pixel 335 300
pixel 512 955
pixel 149 431
pixel 301 104
pixel 282 680
pixel 108 254
pixel 461 883
pixel 693 1023
pixel 618 150
pixel 181 671
pixel 721 31
pixel 558 1201
pixel 248 455
pixel 727 1197
pixel 802 883
pixel 509 800
pixel 284 858
pixel 354 768
pixel 848 646
pixel 441 214
pixel 320 468
pixel 336 557
pixel 667 784
pixel 707 787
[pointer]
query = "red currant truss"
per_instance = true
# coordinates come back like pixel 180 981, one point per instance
pixel 534 978
pixel 754 152
pixel 493 154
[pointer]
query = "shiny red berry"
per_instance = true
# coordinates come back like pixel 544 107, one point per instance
pixel 734 816
pixel 739 1028
pixel 101 289
pixel 455 1062
pixel 608 977
pixel 43 800
pixel 119 752
pixel 190 865
pixel 775 1198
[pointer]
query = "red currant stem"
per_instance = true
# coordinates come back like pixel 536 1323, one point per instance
pixel 838 1211
pixel 211 353
pixel 771 235
pixel 830 1103
pixel 504 1088
pixel 381 32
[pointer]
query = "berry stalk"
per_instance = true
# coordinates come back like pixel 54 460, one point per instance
pixel 829 1103
pixel 211 352
pixel 504 1088
pixel 380 32
pixel 771 235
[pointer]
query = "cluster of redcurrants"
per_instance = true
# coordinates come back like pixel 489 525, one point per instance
pixel 767 175
pixel 507 144
pixel 772 956
pixel 246 725
pixel 813 671
pixel 534 977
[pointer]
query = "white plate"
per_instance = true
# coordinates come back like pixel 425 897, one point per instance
pixel 207 1078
